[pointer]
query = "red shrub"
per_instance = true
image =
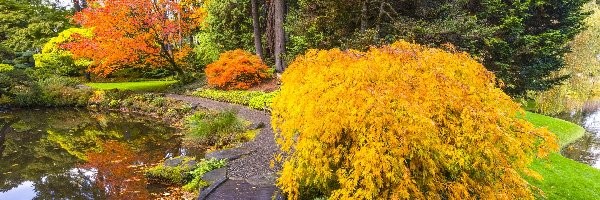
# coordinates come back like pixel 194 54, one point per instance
pixel 236 69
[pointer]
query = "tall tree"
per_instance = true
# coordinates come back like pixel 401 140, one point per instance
pixel 137 34
pixel 279 40
pixel 76 6
pixel 26 25
pixel 256 29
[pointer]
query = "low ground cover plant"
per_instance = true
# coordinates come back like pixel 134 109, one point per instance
pixel 254 99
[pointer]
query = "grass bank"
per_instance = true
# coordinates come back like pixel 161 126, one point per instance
pixel 135 86
pixel 564 178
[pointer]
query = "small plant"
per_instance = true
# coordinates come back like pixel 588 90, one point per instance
pixel 214 128
pixel 186 172
pixel 179 174
pixel 203 167
pixel 236 69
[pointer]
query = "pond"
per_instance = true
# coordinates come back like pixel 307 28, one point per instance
pixel 587 148
pixel 80 154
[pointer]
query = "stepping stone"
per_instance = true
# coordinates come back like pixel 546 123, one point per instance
pixel 262 179
pixel 242 190
pixel 214 178
pixel 229 154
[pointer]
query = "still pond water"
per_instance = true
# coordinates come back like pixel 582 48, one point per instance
pixel 586 149
pixel 78 154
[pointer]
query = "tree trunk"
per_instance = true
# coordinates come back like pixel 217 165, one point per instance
pixel 256 27
pixel 380 18
pixel 279 35
pixel 76 6
pixel 88 76
pixel 270 30
pixel 363 17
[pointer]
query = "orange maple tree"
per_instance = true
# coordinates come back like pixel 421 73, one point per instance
pixel 139 33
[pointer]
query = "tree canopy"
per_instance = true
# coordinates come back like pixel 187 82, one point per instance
pixel 136 34
pixel 26 25
pixel 521 42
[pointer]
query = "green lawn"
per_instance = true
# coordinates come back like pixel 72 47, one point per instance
pixel 566 132
pixel 136 86
pixel 563 177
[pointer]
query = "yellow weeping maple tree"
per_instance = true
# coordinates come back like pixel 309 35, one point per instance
pixel 401 122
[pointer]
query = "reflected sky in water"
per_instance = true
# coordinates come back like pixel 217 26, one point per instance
pixel 587 149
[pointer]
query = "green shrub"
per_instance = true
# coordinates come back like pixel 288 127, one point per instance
pixel 186 174
pixel 214 128
pixel 59 61
pixel 203 167
pixel 54 91
pixel 5 68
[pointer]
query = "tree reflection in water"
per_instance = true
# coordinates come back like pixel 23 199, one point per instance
pixel 78 154
pixel 117 171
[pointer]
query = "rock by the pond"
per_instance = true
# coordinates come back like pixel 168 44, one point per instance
pixel 229 154
pixel 179 161
pixel 82 86
pixel 196 106
pixel 214 178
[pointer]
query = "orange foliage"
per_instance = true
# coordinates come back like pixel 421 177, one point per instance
pixel 136 33
pixel 236 69
pixel 401 122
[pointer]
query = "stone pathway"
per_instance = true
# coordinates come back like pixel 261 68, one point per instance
pixel 249 176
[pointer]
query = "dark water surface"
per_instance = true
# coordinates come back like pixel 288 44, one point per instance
pixel 587 148
pixel 79 154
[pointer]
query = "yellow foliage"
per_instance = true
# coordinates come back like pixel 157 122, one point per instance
pixel 401 122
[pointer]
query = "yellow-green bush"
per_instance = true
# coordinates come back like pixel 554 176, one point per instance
pixel 58 60
pixel 5 68
pixel 401 122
